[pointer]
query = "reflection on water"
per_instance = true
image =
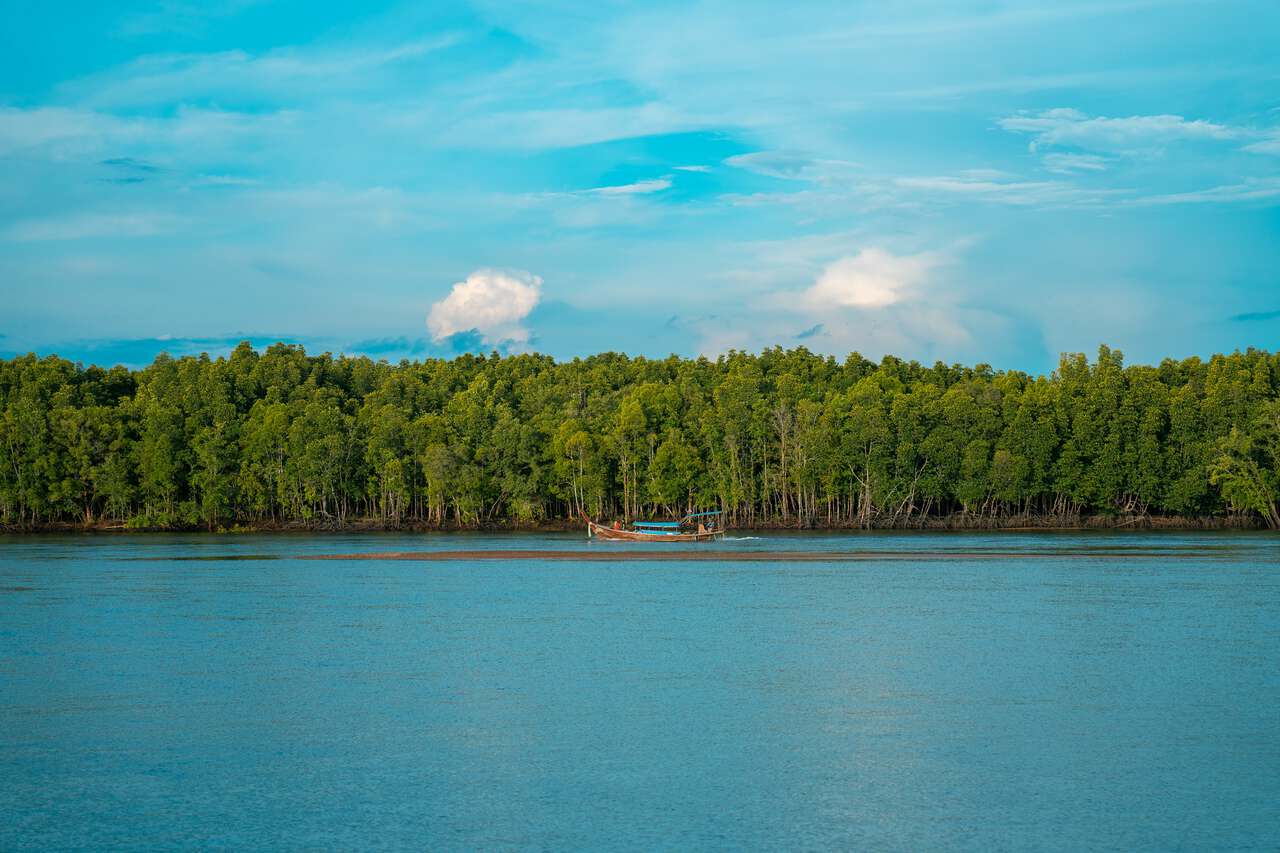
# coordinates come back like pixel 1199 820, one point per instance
pixel 881 691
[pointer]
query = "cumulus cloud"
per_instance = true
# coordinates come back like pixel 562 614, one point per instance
pixel 874 301
pixel 872 278
pixel 491 302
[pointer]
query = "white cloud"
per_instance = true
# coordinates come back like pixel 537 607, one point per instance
pixel 872 278
pixel 1268 145
pixel 1069 164
pixel 288 72
pixel 1122 135
pixel 188 136
pixel 1005 192
pixel 1011 17
pixel 91 225
pixel 653 185
pixel 790 166
pixel 876 300
pixel 766 199
pixel 492 302
pixel 535 129
pixel 914 328
pixel 30 128
pixel 223 181
pixel 692 168
pixel 1250 190
pixel 985 175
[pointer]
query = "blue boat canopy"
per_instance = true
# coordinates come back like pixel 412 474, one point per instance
pixel 664 525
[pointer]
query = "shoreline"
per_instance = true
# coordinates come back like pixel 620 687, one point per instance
pixel 951 523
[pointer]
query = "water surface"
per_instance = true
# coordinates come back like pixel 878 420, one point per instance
pixel 875 691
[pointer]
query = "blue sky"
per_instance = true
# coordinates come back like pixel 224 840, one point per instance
pixel 965 181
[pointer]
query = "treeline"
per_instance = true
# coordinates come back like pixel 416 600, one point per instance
pixel 784 437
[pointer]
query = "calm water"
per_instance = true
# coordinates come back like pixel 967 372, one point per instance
pixel 1089 692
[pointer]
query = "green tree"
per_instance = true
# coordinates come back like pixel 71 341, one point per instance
pixel 1247 468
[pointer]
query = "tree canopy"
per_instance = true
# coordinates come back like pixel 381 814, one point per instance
pixel 780 437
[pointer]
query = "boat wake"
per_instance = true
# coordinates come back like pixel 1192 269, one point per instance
pixel 739 538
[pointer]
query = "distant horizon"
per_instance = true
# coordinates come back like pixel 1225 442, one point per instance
pixel 261 345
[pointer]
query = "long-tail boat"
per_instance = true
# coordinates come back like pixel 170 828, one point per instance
pixel 694 527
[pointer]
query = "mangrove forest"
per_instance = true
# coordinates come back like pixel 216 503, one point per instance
pixel 783 438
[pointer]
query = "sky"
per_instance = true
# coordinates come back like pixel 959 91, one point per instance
pixel 962 181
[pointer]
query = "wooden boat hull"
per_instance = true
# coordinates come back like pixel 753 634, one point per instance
pixel 601 531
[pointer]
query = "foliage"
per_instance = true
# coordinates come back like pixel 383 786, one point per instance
pixel 786 437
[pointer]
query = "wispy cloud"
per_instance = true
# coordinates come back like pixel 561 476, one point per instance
pixel 224 181
pixel 1070 164
pixel 131 164
pixel 24 129
pixel 1269 144
pixel 187 136
pixel 1247 191
pixel 1135 133
pixel 1132 135
pixel 1110 79
pixel 792 166
pixel 652 185
pixel 551 128
pixel 93 225
pixel 291 73
pixel 1254 316
pixel 1011 17
pixel 1012 192
pixel 128 170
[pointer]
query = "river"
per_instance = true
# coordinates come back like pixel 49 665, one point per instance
pixel 1105 691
